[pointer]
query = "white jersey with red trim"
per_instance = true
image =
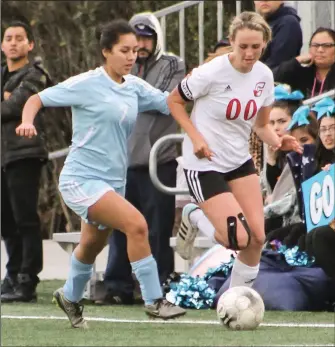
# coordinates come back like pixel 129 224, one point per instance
pixel 226 103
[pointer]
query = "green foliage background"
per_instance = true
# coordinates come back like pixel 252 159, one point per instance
pixel 65 40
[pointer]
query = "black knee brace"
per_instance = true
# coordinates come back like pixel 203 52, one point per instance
pixel 232 229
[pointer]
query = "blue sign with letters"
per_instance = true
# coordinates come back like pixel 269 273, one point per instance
pixel 319 199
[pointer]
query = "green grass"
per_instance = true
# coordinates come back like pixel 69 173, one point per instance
pixel 45 332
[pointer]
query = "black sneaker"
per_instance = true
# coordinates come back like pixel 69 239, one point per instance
pixel 24 291
pixel 8 285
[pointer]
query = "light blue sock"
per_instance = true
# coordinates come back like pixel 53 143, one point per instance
pixel 146 273
pixel 79 275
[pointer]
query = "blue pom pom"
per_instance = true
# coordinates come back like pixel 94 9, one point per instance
pixel 194 292
pixel 293 256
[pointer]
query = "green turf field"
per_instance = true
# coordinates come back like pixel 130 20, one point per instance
pixel 43 324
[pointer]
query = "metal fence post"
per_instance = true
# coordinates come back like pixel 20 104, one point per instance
pixel 153 165
pixel 182 34
pixel 201 10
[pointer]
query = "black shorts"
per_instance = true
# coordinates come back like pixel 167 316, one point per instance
pixel 203 185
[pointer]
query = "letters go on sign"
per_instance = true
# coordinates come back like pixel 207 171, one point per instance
pixel 319 199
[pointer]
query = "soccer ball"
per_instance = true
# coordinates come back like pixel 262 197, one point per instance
pixel 240 308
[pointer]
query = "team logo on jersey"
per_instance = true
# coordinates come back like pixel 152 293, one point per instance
pixel 259 89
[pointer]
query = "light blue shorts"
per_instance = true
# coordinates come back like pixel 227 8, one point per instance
pixel 80 193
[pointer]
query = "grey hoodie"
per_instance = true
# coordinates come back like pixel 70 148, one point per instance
pixel 163 71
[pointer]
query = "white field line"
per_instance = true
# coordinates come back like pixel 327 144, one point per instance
pixel 177 321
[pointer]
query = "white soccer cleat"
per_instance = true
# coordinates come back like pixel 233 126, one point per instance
pixel 186 233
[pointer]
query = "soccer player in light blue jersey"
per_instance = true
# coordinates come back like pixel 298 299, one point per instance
pixel 105 103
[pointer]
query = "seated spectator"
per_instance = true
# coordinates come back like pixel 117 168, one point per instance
pixel 305 134
pixel 286 32
pixel 286 103
pixel 221 48
pixel 284 208
pixel 325 154
pixel 312 73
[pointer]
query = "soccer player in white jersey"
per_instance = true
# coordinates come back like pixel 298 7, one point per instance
pixel 231 94
pixel 105 103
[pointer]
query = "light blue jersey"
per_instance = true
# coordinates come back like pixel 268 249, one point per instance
pixel 103 115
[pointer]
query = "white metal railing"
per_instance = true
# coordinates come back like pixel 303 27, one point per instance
pixel 162 14
pixel 311 101
pixel 58 154
pixel 219 16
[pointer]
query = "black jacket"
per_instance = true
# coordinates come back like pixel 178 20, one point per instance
pixel 303 78
pixel 286 36
pixel 29 80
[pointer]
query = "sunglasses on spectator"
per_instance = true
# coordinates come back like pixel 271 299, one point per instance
pixel 323 45
pixel 324 130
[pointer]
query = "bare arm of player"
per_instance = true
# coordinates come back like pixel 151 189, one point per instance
pixel 30 110
pixel 263 129
pixel 177 107
pixel 265 132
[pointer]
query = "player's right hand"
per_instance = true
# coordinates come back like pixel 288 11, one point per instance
pixel 26 129
pixel 201 149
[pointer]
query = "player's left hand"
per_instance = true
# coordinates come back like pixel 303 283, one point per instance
pixel 289 143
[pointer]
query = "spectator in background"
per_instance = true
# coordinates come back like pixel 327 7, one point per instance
pixel 21 164
pixel 221 47
pixel 286 32
pixel 325 152
pixel 312 73
pixel 163 71
pixel 285 105
pixel 280 117
pixel 305 134
pixel 283 205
